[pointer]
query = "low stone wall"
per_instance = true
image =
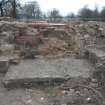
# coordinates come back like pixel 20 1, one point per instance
pixel 4 64
pixel 95 56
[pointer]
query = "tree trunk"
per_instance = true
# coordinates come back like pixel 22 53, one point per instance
pixel 14 9
pixel 1 9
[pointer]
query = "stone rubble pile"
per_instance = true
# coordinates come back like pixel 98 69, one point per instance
pixel 77 91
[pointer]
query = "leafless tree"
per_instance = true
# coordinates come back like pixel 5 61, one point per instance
pixel 14 4
pixel 2 4
pixel 54 16
pixel 32 10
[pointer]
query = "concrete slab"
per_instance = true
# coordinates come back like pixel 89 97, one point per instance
pixel 31 71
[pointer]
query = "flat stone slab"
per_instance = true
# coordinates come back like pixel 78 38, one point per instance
pixel 46 70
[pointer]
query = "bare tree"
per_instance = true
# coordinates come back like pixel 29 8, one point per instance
pixel 7 8
pixel 70 16
pixel 15 4
pixel 102 14
pixel 1 7
pixel 2 4
pixel 32 10
pixel 85 13
pixel 14 8
pixel 54 15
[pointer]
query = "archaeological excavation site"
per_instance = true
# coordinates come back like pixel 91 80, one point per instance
pixel 52 52
pixel 44 63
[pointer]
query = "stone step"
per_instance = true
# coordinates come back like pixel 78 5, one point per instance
pixel 30 72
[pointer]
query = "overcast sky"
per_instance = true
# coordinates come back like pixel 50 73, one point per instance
pixel 67 6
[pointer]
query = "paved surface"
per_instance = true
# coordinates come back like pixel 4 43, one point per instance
pixel 44 70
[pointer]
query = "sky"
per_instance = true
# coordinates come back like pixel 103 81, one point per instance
pixel 67 6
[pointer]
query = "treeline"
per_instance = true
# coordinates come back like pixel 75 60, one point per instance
pixel 9 8
pixel 32 10
pixel 88 14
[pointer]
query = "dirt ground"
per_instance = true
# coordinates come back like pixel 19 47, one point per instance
pixel 22 96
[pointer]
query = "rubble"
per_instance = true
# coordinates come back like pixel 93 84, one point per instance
pixel 52 46
pixel 76 91
pixel 7 49
pixel 7 19
pixel 22 35
pixel 78 36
